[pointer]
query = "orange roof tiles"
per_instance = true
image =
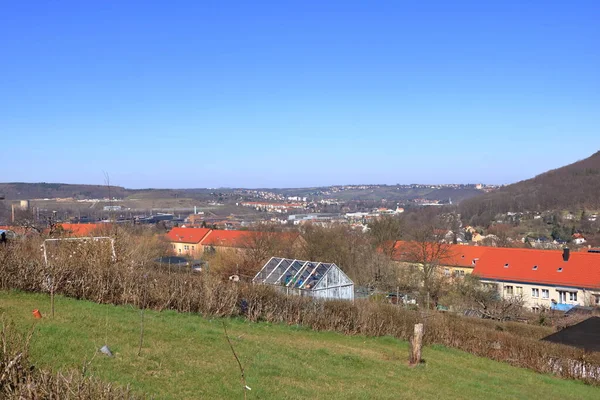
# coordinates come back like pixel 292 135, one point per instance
pixel 582 270
pixel 452 254
pixel 82 229
pixel 187 235
pixel 545 267
pixel 241 239
pixel 229 238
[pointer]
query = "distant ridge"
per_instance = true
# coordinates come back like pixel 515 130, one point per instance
pixel 572 187
pixel 42 190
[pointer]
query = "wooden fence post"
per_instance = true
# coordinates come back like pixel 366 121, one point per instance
pixel 416 342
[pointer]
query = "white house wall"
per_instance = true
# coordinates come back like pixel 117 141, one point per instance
pixel 584 297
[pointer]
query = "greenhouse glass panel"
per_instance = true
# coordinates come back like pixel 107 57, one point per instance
pixel 306 278
pixel 278 272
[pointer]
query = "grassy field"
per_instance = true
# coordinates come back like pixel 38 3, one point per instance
pixel 187 356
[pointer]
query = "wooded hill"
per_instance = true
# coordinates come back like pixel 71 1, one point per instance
pixel 20 190
pixel 572 187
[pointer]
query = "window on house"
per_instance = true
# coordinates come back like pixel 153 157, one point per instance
pixel 572 296
pixel 597 300
pixel 562 296
pixel 560 270
pixel 173 246
pixel 535 292
pixel 545 294
pixel 461 273
pixel 179 251
pixel 193 247
pixel 519 289
pixel 186 247
pixel 508 290
pixel 506 265
pixel 535 309
pixel 535 267
pixel 446 271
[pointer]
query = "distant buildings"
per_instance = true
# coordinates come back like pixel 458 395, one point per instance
pixel 272 207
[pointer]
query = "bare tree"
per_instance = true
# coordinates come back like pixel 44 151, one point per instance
pixel 428 253
pixel 485 298
pixel 385 231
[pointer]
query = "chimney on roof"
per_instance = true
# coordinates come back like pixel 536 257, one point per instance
pixel 566 254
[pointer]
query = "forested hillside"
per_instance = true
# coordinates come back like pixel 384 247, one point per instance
pixel 575 186
pixel 18 190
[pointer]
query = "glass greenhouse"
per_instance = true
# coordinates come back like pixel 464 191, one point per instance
pixel 306 278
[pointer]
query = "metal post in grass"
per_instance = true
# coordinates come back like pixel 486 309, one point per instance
pixel 416 342
pixel 143 309
pixel 245 387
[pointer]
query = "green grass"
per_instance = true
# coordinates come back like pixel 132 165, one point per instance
pixel 187 356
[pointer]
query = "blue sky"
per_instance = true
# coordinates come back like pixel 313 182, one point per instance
pixel 287 94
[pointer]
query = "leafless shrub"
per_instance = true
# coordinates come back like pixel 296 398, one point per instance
pixel 98 278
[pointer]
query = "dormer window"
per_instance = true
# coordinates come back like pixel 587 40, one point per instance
pixel 559 270
pixel 506 265
pixel 535 267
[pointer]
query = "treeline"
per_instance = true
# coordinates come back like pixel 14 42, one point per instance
pixel 21 190
pixel 573 187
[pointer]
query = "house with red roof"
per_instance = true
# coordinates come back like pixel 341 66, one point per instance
pixel 452 259
pixel 236 241
pixel 541 278
pixel 198 241
pixel 186 241
pixel 82 230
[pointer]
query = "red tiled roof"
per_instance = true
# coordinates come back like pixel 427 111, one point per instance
pixel 187 235
pixel 81 229
pixel 582 270
pixel 451 254
pixel 242 239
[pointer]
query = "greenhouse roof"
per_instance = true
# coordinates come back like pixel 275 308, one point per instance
pixel 296 274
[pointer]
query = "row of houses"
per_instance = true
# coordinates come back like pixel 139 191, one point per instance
pixel 195 242
pixel 542 278
pixel 550 279
pixel 272 207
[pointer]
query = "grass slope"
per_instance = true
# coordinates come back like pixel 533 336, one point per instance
pixel 187 356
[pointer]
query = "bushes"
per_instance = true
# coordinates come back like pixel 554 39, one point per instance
pixel 98 278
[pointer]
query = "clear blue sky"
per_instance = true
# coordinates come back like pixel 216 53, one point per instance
pixel 266 94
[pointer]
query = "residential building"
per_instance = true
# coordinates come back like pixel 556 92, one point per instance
pixel 83 230
pixel 543 278
pixel 187 241
pixel 236 241
pixel 195 242
pixel 453 260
